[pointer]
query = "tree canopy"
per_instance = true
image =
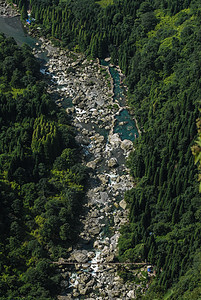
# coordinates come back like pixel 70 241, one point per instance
pixel 41 179
pixel 157 44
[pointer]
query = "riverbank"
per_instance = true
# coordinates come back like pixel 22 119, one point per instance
pixel 85 89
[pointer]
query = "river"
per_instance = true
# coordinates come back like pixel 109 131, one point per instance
pixel 125 125
pixel 94 110
pixel 12 27
pixel 106 131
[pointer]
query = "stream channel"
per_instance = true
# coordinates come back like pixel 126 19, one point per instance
pixel 92 94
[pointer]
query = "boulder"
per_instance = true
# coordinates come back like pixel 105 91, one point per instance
pixel 82 106
pixel 86 290
pixel 94 214
pixel 112 163
pixel 70 110
pixel 94 231
pixel 110 258
pixel 103 178
pixel 116 220
pixel 116 187
pixel 131 294
pixel 99 139
pixel 91 255
pixel 85 266
pixel 96 244
pixel 82 140
pixel 91 164
pixel 114 140
pixel 68 297
pixel 90 284
pixel 127 145
pixel 122 204
pixel 75 294
pixel 104 197
pixel 80 257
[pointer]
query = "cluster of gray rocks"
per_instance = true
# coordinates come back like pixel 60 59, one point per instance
pixel 6 10
pixel 93 109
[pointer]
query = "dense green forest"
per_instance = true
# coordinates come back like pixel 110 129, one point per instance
pixel 41 179
pixel 157 44
pixel 196 150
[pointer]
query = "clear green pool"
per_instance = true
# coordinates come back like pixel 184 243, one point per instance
pixel 125 125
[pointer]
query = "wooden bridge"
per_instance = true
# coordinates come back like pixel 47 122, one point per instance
pixel 100 263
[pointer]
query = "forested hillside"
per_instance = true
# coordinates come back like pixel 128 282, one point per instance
pixel 164 82
pixel 41 179
pixel 157 44
pixel 196 150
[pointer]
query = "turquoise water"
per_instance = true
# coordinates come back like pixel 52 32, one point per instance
pixel 13 27
pixel 119 93
pixel 118 90
pixel 67 102
pixel 125 125
pixel 127 130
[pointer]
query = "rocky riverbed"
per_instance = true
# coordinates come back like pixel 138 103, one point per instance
pixel 6 10
pixel 85 89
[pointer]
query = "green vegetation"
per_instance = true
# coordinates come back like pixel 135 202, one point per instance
pixel 104 3
pixel 196 150
pixel 41 179
pixel 157 44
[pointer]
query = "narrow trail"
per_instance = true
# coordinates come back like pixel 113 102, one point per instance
pixel 101 263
